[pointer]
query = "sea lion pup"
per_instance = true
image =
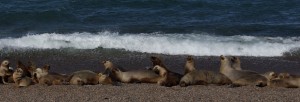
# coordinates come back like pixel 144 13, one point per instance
pixel 241 77
pixel 4 70
pixel 236 63
pixel 201 77
pixel 164 79
pixel 173 75
pixel 143 76
pixel 20 79
pixel 189 65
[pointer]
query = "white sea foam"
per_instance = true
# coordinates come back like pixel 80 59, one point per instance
pixel 173 44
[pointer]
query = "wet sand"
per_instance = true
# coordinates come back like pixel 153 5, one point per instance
pixel 70 61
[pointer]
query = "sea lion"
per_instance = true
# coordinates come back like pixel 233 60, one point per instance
pixel 143 76
pixel 104 79
pixel 165 79
pixel 241 77
pixel 51 79
pixel 285 80
pixel 83 77
pixel 20 79
pixel 270 75
pixel 4 70
pixel 236 63
pixel 173 75
pixel 189 65
pixel 201 77
pixel 24 68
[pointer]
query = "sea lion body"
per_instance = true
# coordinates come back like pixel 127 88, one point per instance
pixel 203 77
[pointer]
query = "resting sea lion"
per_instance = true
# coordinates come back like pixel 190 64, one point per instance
pixel 173 75
pixel 143 76
pixel 165 79
pixel 20 79
pixel 51 79
pixel 201 77
pixel 241 77
pixel 83 77
pixel 285 80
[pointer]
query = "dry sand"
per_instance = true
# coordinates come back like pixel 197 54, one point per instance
pixel 145 92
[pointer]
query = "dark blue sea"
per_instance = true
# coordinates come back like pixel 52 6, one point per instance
pixel 174 27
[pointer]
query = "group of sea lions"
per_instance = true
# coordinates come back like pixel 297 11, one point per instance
pixel 230 74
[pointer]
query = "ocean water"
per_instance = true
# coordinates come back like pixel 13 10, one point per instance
pixel 174 27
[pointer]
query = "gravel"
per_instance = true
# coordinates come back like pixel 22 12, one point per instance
pixel 145 92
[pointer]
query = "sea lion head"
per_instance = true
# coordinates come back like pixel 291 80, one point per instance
pixel 104 79
pixel 18 72
pixel 39 72
pixel 235 59
pixel 32 67
pixel 5 63
pixel 189 58
pixel 270 75
pixel 155 60
pixel 224 59
pixel 108 65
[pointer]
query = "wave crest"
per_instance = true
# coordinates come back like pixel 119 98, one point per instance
pixel 173 44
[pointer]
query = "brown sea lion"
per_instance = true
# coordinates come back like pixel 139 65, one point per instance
pixel 143 76
pixel 51 79
pixel 165 79
pixel 20 79
pixel 241 77
pixel 285 80
pixel 201 77
pixel 4 70
pixel 189 65
pixel 104 79
pixel 24 68
pixel 83 77
pixel 270 75
pixel 173 75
